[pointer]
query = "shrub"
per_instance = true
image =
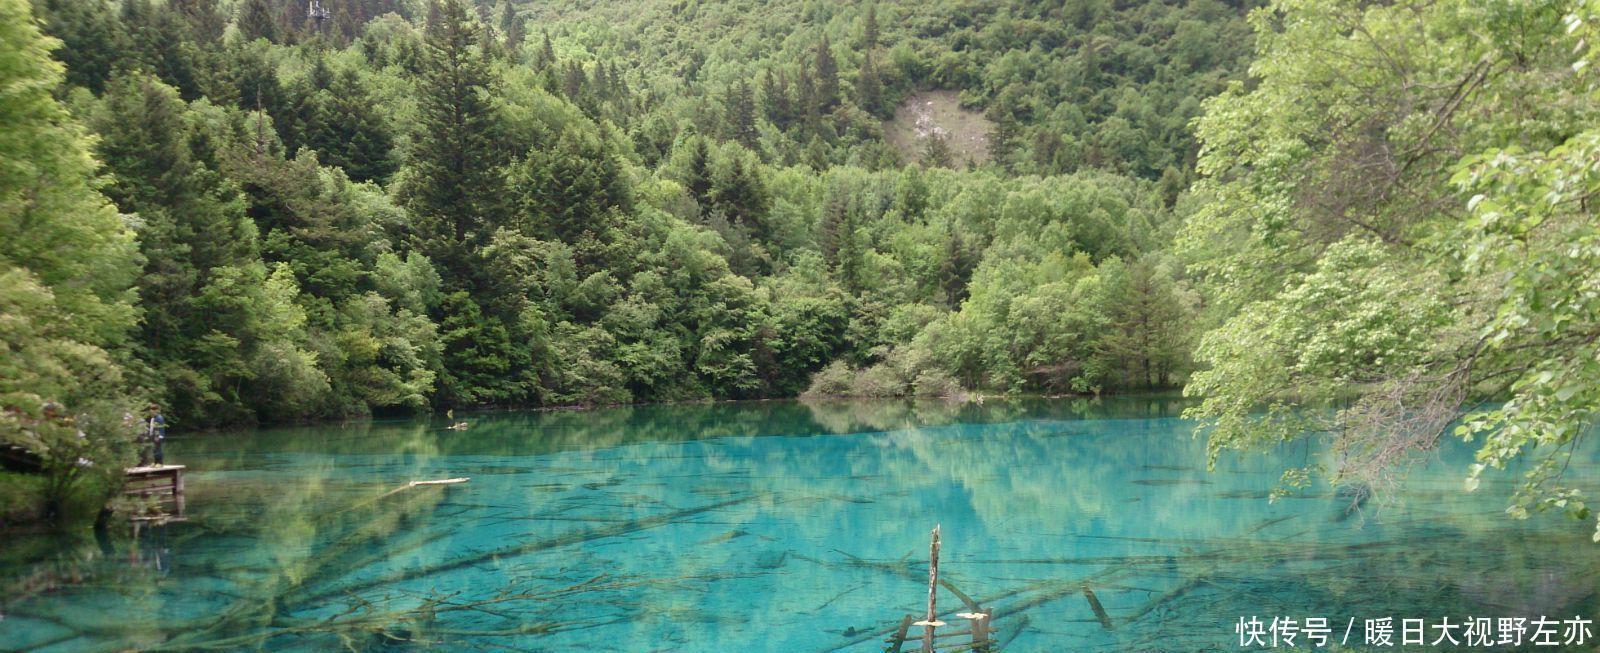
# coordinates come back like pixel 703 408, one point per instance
pixel 832 381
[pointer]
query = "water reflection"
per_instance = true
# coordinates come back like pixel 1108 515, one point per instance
pixel 779 526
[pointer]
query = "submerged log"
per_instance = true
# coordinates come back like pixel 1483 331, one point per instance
pixel 899 639
pixel 565 539
pixel 443 481
pixel 1099 611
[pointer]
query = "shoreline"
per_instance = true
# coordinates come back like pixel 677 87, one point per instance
pixel 1174 393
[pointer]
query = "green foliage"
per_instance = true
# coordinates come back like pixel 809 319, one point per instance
pixel 660 201
pixel 255 21
pixel 1086 85
pixel 453 175
pixel 411 213
pixel 341 122
pixel 1409 240
pixel 67 267
pixel 82 455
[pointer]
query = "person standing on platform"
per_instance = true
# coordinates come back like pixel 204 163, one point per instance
pixel 155 433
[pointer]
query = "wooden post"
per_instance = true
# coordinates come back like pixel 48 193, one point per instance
pixel 933 589
pixel 177 491
pixel 980 631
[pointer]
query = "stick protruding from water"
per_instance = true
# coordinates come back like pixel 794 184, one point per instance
pixel 932 618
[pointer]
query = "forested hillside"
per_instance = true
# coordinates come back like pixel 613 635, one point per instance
pixel 389 206
pixel 274 210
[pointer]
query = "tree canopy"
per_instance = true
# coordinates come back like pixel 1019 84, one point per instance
pixel 1399 218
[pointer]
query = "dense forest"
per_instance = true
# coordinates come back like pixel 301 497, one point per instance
pixel 273 210
pixel 391 206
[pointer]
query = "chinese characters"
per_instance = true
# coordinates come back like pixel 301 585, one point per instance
pixel 1480 632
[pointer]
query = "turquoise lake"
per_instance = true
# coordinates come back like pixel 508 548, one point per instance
pixel 780 526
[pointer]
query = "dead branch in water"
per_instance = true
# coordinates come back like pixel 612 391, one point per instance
pixel 564 539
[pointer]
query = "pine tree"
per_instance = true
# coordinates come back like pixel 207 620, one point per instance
pixel 1003 141
pixel 869 30
pixel 250 82
pixel 697 172
pixel 256 21
pixel 955 268
pixel 511 24
pixel 547 52
pixel 1147 317
pixel 741 108
pixel 911 193
pixel 567 191
pixel 573 80
pixel 93 40
pixel 346 130
pixel 490 45
pixel 454 170
pixel 320 77
pixel 775 93
pixel 936 152
pixel 480 355
pixel 816 154
pixel 827 89
pixel 869 89
pixel 741 196
pixel 454 191
pixel 805 92
pixel 160 41
pixel 205 18
pixel 836 235
pixel 617 85
pixel 600 83
pixel 186 207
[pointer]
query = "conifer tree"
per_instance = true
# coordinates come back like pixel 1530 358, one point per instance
pixel 347 131
pixel 936 152
pixel 453 179
pixel 255 21
pixel 206 20
pixel 775 93
pixel 93 40
pixel 697 172
pixel 160 42
pixel 547 52
pixel 573 80
pixel 741 196
pixel 568 190
pixel 805 92
pixel 869 89
pixel 741 108
pixel 512 26
pixel 827 89
pixel 836 235
pixel 250 81
pixel 869 30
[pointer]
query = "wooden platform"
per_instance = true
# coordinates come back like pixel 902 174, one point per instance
pixel 163 482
